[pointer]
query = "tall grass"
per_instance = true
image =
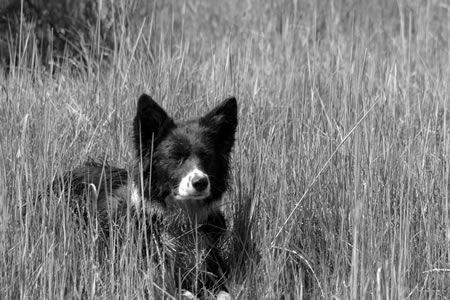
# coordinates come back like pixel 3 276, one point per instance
pixel 340 185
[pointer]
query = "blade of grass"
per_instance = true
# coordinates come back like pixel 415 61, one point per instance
pixel 297 205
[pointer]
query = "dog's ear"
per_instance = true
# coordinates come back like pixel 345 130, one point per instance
pixel 151 121
pixel 222 120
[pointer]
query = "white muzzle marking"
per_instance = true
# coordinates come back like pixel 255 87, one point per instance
pixel 194 186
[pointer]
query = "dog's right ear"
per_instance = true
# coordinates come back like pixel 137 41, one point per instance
pixel 150 122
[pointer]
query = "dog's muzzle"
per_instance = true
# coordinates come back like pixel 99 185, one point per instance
pixel 194 185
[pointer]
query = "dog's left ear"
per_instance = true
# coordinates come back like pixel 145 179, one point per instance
pixel 150 123
pixel 223 121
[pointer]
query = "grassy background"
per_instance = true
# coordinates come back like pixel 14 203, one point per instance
pixel 341 167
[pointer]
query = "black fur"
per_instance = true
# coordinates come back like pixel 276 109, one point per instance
pixel 158 139
pixel 163 149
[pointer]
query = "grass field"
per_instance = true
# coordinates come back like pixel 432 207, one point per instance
pixel 340 183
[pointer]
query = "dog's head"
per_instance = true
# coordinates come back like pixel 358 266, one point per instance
pixel 187 161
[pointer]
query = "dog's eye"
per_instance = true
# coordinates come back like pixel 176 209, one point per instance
pixel 202 154
pixel 179 156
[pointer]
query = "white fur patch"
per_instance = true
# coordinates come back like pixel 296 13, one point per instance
pixel 188 295
pixel 224 296
pixel 123 194
pixel 136 199
pixel 187 191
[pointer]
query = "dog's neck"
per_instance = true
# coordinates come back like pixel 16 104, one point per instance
pixel 197 210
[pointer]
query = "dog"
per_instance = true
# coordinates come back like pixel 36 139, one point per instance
pixel 176 183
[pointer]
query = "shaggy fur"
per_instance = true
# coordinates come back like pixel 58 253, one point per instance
pixel 180 173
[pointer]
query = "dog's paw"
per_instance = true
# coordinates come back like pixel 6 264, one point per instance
pixel 222 295
pixel 186 295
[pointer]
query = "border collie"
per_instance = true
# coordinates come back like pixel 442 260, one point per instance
pixel 180 173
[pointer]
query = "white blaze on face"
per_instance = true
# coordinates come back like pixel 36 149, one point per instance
pixel 194 185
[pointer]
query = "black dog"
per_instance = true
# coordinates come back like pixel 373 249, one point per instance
pixel 180 173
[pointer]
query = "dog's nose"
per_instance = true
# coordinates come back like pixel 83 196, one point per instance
pixel 200 183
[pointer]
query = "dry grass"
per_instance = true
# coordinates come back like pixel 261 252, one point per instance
pixel 341 168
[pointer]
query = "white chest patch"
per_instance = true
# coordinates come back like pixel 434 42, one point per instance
pixel 135 197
